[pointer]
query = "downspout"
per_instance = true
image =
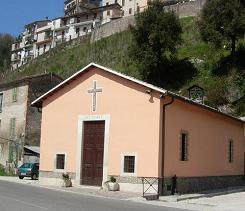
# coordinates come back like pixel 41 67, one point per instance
pixel 163 141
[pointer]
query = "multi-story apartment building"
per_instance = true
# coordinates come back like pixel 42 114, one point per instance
pixel 23 49
pixel 19 122
pixel 40 36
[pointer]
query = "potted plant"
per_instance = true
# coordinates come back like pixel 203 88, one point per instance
pixel 112 184
pixel 67 180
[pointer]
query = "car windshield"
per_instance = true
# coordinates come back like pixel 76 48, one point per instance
pixel 26 165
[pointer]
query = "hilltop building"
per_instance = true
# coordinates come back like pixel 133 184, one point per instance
pixel 19 122
pixel 81 17
pixel 110 124
pixel 129 7
pixel 72 7
pixel 41 36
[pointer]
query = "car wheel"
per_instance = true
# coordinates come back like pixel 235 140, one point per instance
pixel 34 177
pixel 21 177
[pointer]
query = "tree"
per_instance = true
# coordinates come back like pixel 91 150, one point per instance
pixel 156 35
pixel 6 41
pixel 223 21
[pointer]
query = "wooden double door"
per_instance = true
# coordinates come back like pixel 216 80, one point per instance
pixel 93 153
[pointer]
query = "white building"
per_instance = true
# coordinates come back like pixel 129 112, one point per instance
pixel 129 7
pixel 24 47
pixel 41 36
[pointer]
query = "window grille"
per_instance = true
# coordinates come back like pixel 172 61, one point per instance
pixel 129 164
pixel 184 146
pixel 231 151
pixel 60 161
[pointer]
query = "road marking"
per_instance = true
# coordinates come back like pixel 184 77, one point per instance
pixel 23 202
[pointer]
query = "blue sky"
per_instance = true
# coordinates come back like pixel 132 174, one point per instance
pixel 14 14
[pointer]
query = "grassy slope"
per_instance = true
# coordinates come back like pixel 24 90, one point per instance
pixel 113 52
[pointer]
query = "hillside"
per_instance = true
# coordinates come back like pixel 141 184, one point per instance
pixel 113 52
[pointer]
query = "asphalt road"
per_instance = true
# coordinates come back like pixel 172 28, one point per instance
pixel 20 197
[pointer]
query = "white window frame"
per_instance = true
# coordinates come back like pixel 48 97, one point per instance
pixel 135 164
pixel 55 159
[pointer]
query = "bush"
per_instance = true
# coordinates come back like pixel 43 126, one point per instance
pixel 3 171
pixel 66 176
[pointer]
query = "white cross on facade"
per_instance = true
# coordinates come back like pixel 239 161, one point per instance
pixel 94 92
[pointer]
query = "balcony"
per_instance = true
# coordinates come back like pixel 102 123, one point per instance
pixel 48 35
pixel 70 7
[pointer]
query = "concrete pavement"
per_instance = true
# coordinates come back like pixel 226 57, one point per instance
pixel 228 200
pixel 22 197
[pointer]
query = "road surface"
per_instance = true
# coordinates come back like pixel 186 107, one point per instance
pixel 21 197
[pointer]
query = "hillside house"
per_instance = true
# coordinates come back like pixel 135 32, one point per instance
pixel 41 36
pixel 19 122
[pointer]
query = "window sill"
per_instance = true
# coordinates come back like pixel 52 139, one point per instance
pixel 59 170
pixel 128 174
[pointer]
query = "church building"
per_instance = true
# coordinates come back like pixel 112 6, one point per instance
pixel 100 123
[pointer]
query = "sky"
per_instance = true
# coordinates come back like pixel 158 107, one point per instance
pixel 14 14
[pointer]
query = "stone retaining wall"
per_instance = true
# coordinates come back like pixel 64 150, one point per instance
pixel 198 184
pixel 187 9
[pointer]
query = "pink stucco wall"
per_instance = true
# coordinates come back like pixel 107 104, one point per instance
pixel 136 127
pixel 134 122
pixel 209 134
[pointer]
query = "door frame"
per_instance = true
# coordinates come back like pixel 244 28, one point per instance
pixel 80 131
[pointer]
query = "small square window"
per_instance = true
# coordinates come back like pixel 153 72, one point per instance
pixel 129 164
pixel 60 161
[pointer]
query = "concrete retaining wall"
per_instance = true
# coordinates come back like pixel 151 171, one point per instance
pixel 187 9
pixel 184 9
pixel 112 27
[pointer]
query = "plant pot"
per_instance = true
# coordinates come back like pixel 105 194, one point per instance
pixel 113 186
pixel 67 183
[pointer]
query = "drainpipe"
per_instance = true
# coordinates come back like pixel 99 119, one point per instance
pixel 163 140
